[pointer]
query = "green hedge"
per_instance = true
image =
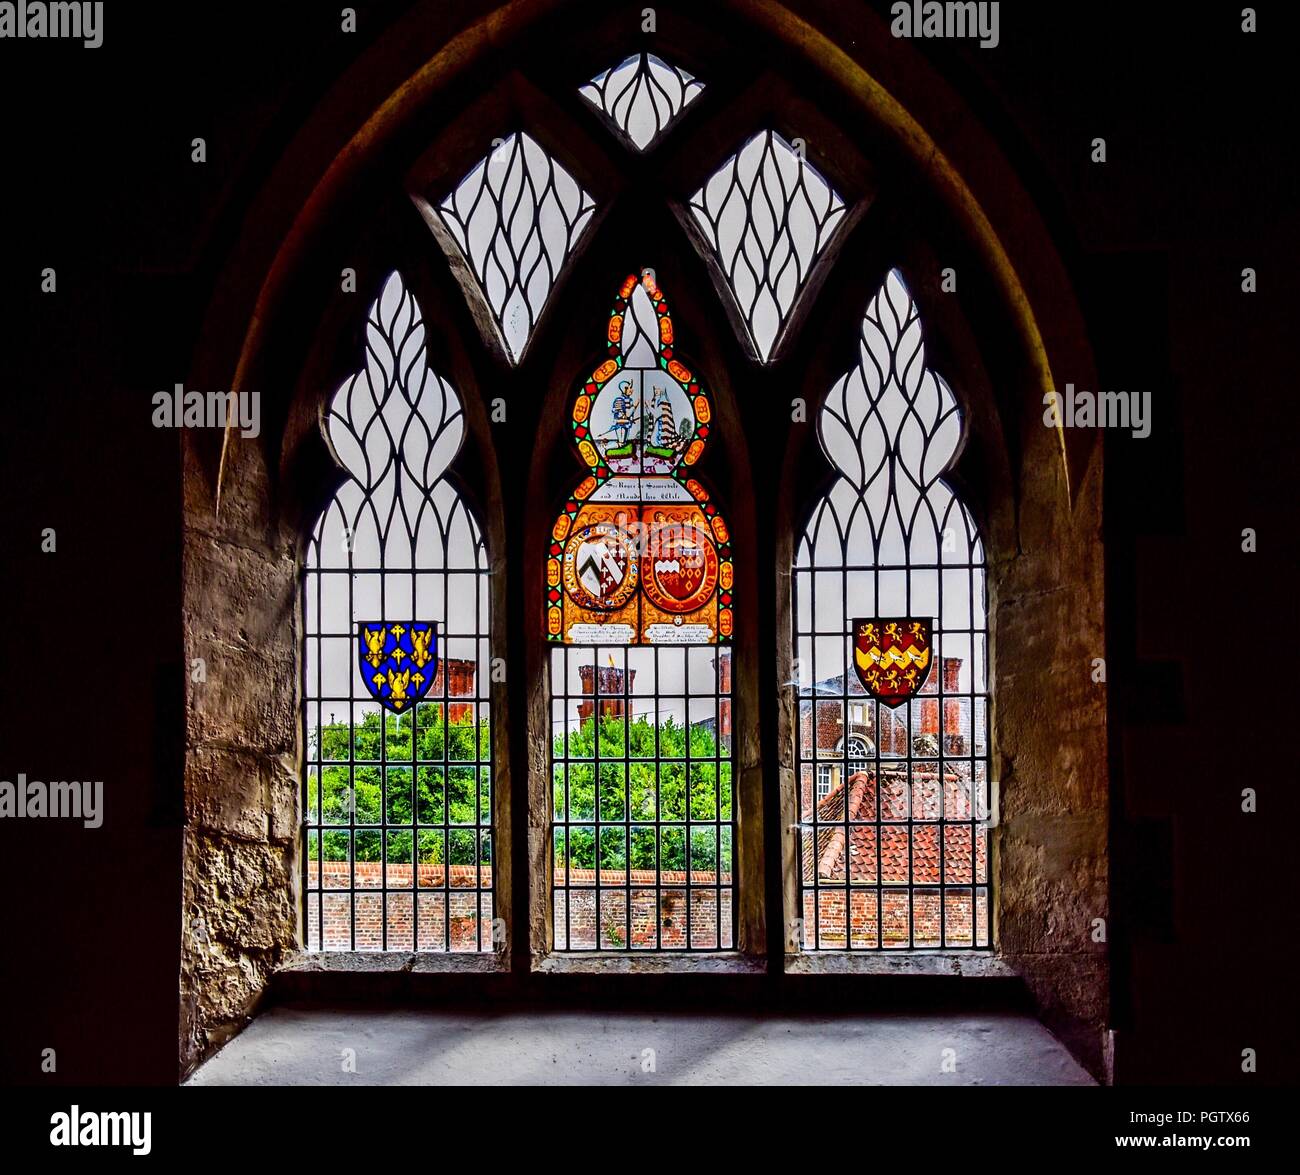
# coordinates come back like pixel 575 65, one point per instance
pixel 416 794
pixel 634 786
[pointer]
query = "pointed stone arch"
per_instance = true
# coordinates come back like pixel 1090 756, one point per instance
pixel 290 242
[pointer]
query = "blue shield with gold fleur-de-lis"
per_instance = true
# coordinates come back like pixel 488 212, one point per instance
pixel 398 661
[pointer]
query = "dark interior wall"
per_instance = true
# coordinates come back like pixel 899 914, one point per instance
pixel 1197 187
pixel 100 186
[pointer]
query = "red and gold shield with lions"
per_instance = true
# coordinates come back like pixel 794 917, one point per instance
pixel 892 656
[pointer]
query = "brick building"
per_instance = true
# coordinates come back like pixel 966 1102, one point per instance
pixel 460 674
pixel 846 726
pixel 606 682
pixel 861 835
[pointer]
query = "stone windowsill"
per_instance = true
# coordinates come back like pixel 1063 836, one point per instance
pixel 394 962
pixel 668 963
pixel 963 964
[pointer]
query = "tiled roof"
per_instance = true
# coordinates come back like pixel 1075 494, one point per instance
pixel 881 850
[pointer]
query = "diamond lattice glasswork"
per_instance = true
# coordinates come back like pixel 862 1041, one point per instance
pixel 642 95
pixel 516 218
pixel 767 214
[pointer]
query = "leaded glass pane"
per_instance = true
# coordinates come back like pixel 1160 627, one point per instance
pixel 397 713
pixel 516 217
pixel 639 605
pixel 767 214
pixel 891 646
pixel 642 95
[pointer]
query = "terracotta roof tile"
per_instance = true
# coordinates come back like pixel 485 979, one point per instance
pixel 880 852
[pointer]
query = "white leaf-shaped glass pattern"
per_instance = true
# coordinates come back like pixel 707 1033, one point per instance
pixel 768 215
pixel 642 95
pixel 516 217
pixel 893 798
pixel 397 806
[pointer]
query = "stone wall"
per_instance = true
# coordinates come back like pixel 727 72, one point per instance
pixel 1050 749
pixel 240 862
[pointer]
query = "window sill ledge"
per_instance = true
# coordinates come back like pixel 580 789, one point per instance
pixel 393 962
pixel 962 964
pixel 621 963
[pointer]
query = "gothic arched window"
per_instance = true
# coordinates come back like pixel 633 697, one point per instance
pixel 398 788
pixel 891 651
pixel 639 581
pixel 634 765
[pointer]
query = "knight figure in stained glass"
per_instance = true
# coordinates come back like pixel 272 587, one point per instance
pixel 640 553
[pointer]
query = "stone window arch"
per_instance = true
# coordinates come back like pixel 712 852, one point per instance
pixel 650 164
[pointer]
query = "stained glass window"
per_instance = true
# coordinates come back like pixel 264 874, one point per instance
pixel 639 608
pixel 891 635
pixel 767 214
pixel 642 95
pixel 516 217
pixel 397 722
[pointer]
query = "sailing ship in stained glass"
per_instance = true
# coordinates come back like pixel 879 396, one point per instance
pixel 640 554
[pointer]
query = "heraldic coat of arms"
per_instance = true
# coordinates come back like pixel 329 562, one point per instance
pixel 398 661
pixel 892 657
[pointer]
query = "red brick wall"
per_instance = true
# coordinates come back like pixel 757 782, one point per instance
pixel 578 912
pixel 830 725
pixel 458 922
pixel 863 906
pixel 463 912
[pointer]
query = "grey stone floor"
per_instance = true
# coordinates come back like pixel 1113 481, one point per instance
pixel 307 1046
